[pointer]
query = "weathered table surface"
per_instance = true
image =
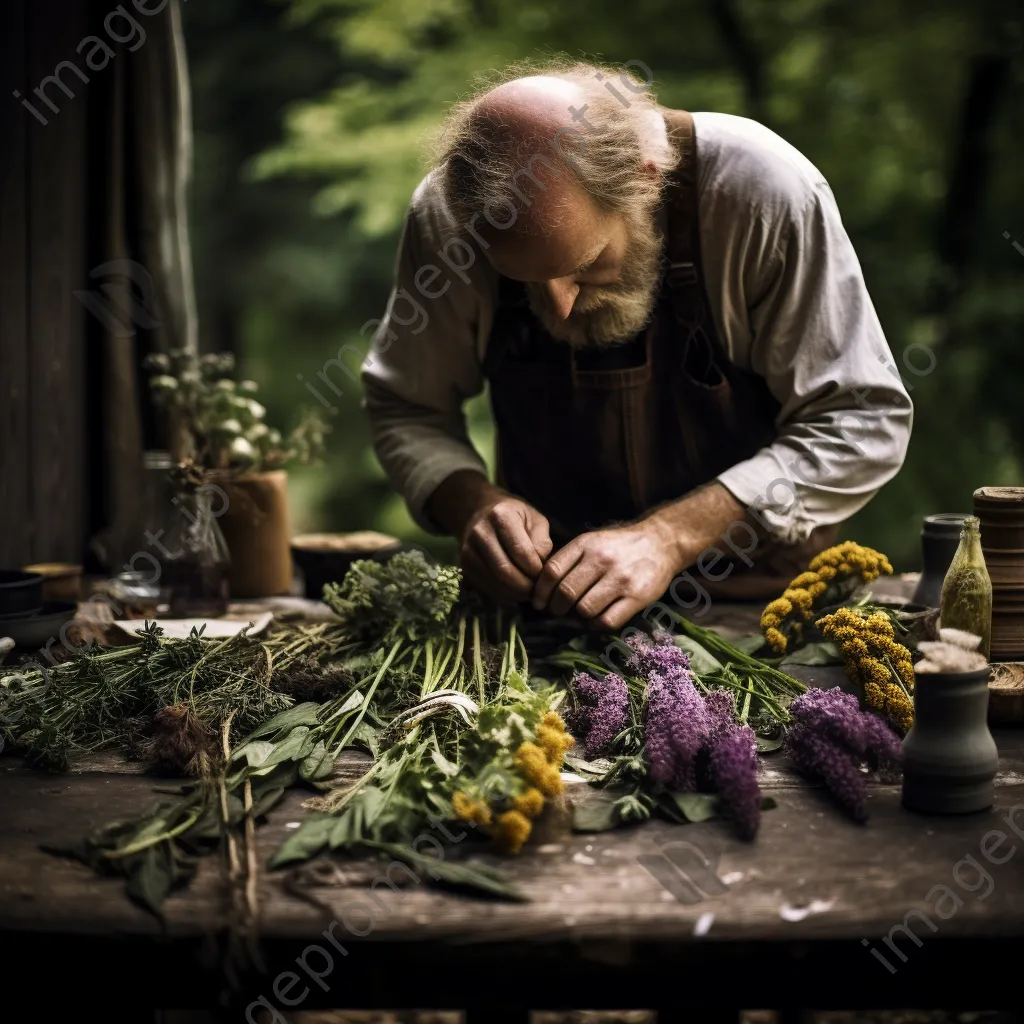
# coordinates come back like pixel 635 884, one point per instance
pixel 654 915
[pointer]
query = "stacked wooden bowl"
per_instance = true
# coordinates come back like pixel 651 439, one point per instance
pixel 1001 511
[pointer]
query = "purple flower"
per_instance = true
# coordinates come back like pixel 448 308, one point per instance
pixel 677 721
pixel 734 774
pixel 831 737
pixel 678 727
pixel 662 656
pixel 819 757
pixel 837 715
pixel 721 708
pixel 602 711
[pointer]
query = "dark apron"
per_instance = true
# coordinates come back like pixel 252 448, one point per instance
pixel 596 437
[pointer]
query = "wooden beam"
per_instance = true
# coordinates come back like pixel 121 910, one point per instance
pixel 15 509
pixel 57 202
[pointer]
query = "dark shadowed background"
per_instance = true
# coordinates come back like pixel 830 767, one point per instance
pixel 312 119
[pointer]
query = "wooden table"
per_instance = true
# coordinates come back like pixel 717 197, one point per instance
pixel 676 917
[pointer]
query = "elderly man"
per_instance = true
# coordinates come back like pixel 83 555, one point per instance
pixel 683 361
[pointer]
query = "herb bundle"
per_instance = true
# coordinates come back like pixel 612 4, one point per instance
pixel 677 732
pixel 434 693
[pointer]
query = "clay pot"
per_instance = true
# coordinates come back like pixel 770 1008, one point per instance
pixel 949 755
pixel 257 530
pixel 1001 511
pixel 940 536
pixel 326 557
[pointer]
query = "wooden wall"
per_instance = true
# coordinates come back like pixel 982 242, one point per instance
pixel 45 455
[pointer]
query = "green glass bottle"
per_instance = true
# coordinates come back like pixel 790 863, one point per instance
pixel 967 588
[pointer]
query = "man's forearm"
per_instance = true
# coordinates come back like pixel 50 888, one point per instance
pixel 696 522
pixel 457 499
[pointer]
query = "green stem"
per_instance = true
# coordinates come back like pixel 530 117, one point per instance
pixel 366 703
pixel 478 661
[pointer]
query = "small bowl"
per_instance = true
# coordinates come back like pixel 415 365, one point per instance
pixel 21 593
pixel 39 627
pixel 326 557
pixel 62 581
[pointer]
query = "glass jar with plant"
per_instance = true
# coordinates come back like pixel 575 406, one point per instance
pixel 219 436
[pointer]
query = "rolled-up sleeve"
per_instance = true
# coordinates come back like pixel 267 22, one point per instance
pixel 424 362
pixel 845 417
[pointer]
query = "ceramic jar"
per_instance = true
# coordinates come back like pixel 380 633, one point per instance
pixel 1001 512
pixel 949 755
pixel 940 536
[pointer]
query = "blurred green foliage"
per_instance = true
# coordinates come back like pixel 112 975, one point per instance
pixel 313 122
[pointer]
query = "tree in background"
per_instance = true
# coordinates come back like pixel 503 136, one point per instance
pixel 912 110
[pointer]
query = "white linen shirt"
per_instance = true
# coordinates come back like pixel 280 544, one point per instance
pixel 789 303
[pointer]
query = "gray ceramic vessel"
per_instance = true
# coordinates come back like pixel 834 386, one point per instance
pixel 949 755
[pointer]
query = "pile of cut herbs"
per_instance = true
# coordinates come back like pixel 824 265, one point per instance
pixel 413 713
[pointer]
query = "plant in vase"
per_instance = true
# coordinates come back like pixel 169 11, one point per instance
pixel 219 437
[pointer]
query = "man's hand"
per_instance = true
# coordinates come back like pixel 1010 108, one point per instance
pixel 609 575
pixel 503 541
pixel 503 548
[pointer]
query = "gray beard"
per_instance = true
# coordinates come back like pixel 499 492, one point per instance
pixel 610 314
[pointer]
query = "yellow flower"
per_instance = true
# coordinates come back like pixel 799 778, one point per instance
pixel 854 647
pixel 553 743
pixel 874 671
pixel 873 657
pixel 905 669
pixel 874 695
pixel 776 640
pixel 780 606
pixel 554 720
pixel 511 830
pixel 804 580
pixel 468 809
pixel 533 763
pixel 530 803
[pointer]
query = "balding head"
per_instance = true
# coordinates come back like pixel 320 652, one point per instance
pixel 560 175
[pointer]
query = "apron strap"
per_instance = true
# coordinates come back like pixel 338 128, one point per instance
pixel 702 353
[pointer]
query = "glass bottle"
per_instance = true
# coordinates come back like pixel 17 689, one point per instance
pixel 967 588
pixel 196 570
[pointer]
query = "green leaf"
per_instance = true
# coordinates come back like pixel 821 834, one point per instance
pixel 267 801
pixel 296 746
pixel 766 744
pixel 373 801
pixel 702 661
pixel 460 875
pixel 367 735
pixel 595 815
pixel 306 841
pixel 299 714
pixel 597 768
pixel 822 652
pixel 255 753
pixel 150 879
pixel 317 765
pixel 355 698
pixel 749 644
pixel 446 767
pixel 768 803
pixel 348 827
pixel 696 806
